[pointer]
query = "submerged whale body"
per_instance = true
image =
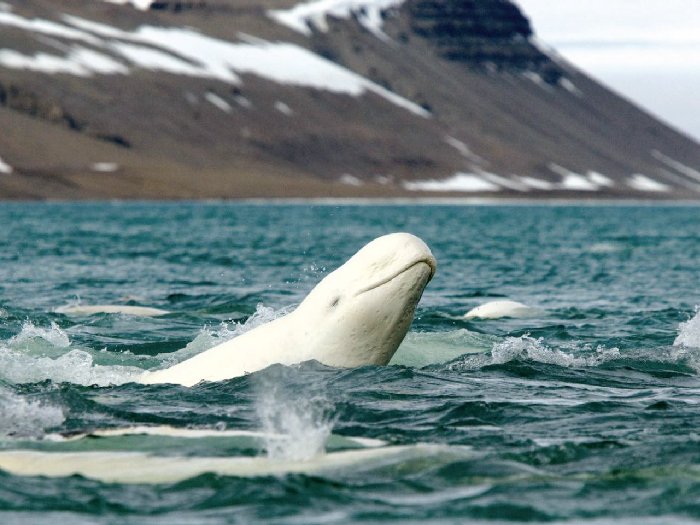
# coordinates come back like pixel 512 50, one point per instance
pixel 357 315
pixel 499 309
pixel 93 309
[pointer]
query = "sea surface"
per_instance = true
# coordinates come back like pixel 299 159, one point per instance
pixel 586 411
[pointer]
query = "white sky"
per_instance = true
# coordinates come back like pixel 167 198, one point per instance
pixel 648 50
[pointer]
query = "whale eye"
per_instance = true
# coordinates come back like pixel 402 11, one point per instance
pixel 335 302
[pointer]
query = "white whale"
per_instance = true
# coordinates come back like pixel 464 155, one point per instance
pixel 145 468
pixel 92 309
pixel 357 315
pixel 499 309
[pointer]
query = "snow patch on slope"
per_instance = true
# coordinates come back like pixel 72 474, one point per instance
pixel 143 5
pixel 677 165
pixel 302 16
pixel 591 181
pixel 461 182
pixel 186 51
pixel 80 61
pixel 5 167
pixel 641 182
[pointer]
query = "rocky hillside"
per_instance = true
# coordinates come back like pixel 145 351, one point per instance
pixel 263 98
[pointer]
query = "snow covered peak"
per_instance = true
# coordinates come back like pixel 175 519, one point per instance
pixel 368 12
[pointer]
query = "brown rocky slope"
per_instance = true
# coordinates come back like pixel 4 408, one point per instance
pixel 236 98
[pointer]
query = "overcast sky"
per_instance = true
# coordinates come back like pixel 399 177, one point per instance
pixel 649 50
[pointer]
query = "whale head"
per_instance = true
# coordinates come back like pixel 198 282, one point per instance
pixel 360 313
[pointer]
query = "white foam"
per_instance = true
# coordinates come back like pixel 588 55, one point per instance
pixel 689 332
pixel 641 182
pixel 531 349
pixel 37 354
pixel 367 12
pixel 53 335
pixel 75 366
pixel 22 417
pixel 459 182
pixel 5 167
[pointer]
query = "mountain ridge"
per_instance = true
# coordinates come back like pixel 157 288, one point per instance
pixel 354 98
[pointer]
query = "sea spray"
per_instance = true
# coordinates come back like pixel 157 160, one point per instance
pixel 689 332
pixel 526 348
pixel 531 349
pixel 37 353
pixel 295 419
pixel 37 339
pixel 21 417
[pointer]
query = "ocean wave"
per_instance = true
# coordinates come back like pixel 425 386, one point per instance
pixel 529 349
pixel 526 348
pixel 37 354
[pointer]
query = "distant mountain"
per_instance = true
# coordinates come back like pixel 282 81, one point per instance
pixel 263 98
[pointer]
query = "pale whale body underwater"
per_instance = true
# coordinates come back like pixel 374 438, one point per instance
pixel 357 315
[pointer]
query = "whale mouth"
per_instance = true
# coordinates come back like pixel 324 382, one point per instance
pixel 428 261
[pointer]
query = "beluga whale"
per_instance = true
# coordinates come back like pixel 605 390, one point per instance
pixel 357 315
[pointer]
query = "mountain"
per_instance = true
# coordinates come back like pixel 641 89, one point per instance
pixel 244 98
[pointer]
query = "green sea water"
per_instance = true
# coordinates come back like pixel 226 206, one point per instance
pixel 588 411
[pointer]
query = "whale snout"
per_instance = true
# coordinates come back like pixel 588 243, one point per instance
pixel 394 255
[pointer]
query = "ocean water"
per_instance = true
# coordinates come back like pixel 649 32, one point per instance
pixel 588 411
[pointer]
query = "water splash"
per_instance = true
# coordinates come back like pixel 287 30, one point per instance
pixel 35 338
pixel 296 425
pixel 689 332
pixel 76 366
pixel 529 348
pixel 37 354
pixel 526 348
pixel 20 417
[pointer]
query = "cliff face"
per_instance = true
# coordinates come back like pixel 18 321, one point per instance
pixel 255 98
pixel 482 34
